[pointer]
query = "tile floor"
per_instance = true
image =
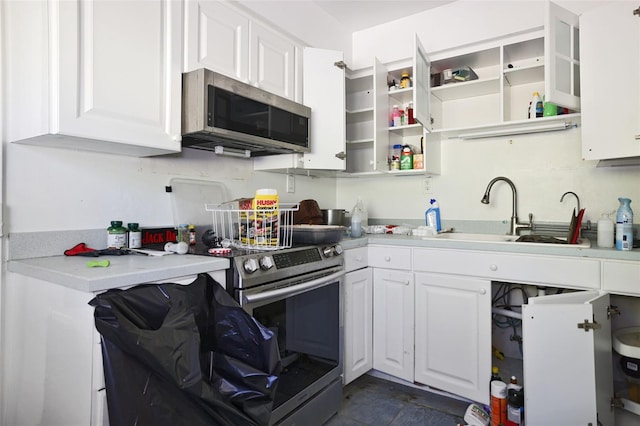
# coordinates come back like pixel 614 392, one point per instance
pixel 373 401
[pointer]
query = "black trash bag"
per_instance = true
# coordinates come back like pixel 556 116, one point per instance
pixel 185 355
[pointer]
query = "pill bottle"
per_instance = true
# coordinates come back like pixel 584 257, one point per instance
pixel 183 233
pixel 135 236
pixel 116 235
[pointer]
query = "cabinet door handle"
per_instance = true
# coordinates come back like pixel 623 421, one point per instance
pixel 493 267
pixel 387 258
pixel 482 291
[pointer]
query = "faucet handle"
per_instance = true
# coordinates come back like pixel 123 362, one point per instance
pixel 531 220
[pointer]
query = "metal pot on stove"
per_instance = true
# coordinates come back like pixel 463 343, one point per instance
pixel 333 216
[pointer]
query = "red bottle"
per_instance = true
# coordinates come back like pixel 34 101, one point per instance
pixel 411 119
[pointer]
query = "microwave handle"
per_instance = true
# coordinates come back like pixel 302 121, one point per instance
pixel 294 289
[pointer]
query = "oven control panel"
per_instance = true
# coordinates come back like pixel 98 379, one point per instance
pixel 308 259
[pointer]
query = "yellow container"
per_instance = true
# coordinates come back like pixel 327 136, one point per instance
pixel 266 218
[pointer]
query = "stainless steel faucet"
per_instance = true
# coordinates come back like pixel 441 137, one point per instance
pixel 574 194
pixel 515 227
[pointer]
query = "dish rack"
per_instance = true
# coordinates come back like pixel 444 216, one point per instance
pixel 254 229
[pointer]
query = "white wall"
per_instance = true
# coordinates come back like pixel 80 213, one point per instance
pixel 55 189
pixel 542 166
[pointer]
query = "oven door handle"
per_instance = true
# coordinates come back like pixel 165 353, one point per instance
pixel 294 289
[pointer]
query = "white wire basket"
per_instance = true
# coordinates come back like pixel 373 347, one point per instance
pixel 255 229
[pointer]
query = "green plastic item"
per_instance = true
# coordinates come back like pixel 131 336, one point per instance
pixel 94 263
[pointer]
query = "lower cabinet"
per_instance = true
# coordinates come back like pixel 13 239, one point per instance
pixel 453 334
pixel 393 323
pixel 358 326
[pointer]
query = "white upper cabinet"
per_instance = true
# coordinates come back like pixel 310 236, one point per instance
pixel 216 38
pixel 272 62
pixel 111 73
pixel 562 41
pixel 503 75
pixel 610 106
pixel 371 132
pixel 228 40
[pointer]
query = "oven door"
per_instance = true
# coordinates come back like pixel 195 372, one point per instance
pixel 305 313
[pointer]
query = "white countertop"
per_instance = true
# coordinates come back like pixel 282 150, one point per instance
pixel 131 270
pixel 510 247
pixel 123 271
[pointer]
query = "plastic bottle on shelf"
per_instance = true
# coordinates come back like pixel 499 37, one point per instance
pixel 536 108
pixel 624 225
pixel 432 215
pixel 605 231
pixel 495 375
pixel 403 118
pixel 395 116
pixel 406 159
pixel 411 119
pixel 405 80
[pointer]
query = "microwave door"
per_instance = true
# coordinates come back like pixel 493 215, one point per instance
pixel 236 113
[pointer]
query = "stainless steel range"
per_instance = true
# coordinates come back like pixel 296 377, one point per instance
pixel 297 293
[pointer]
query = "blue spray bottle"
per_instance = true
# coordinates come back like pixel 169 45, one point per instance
pixel 432 215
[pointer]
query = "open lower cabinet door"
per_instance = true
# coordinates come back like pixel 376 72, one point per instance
pixel 567 363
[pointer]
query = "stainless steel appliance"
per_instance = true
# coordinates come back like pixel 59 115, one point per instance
pixel 297 293
pixel 218 111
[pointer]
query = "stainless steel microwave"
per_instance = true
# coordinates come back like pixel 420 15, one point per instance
pixel 218 111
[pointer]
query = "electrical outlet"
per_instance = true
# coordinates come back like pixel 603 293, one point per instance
pixel 427 185
pixel 291 184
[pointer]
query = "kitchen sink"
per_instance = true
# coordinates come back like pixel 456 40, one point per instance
pixel 508 239
pixel 463 236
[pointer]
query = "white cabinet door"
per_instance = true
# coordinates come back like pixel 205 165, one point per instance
pixel 358 324
pixel 614 100
pixel 381 150
pixel 119 72
pixel 324 93
pixel 272 61
pixel 567 368
pixel 562 47
pixel 422 85
pixel 453 334
pixel 393 323
pixel 216 38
